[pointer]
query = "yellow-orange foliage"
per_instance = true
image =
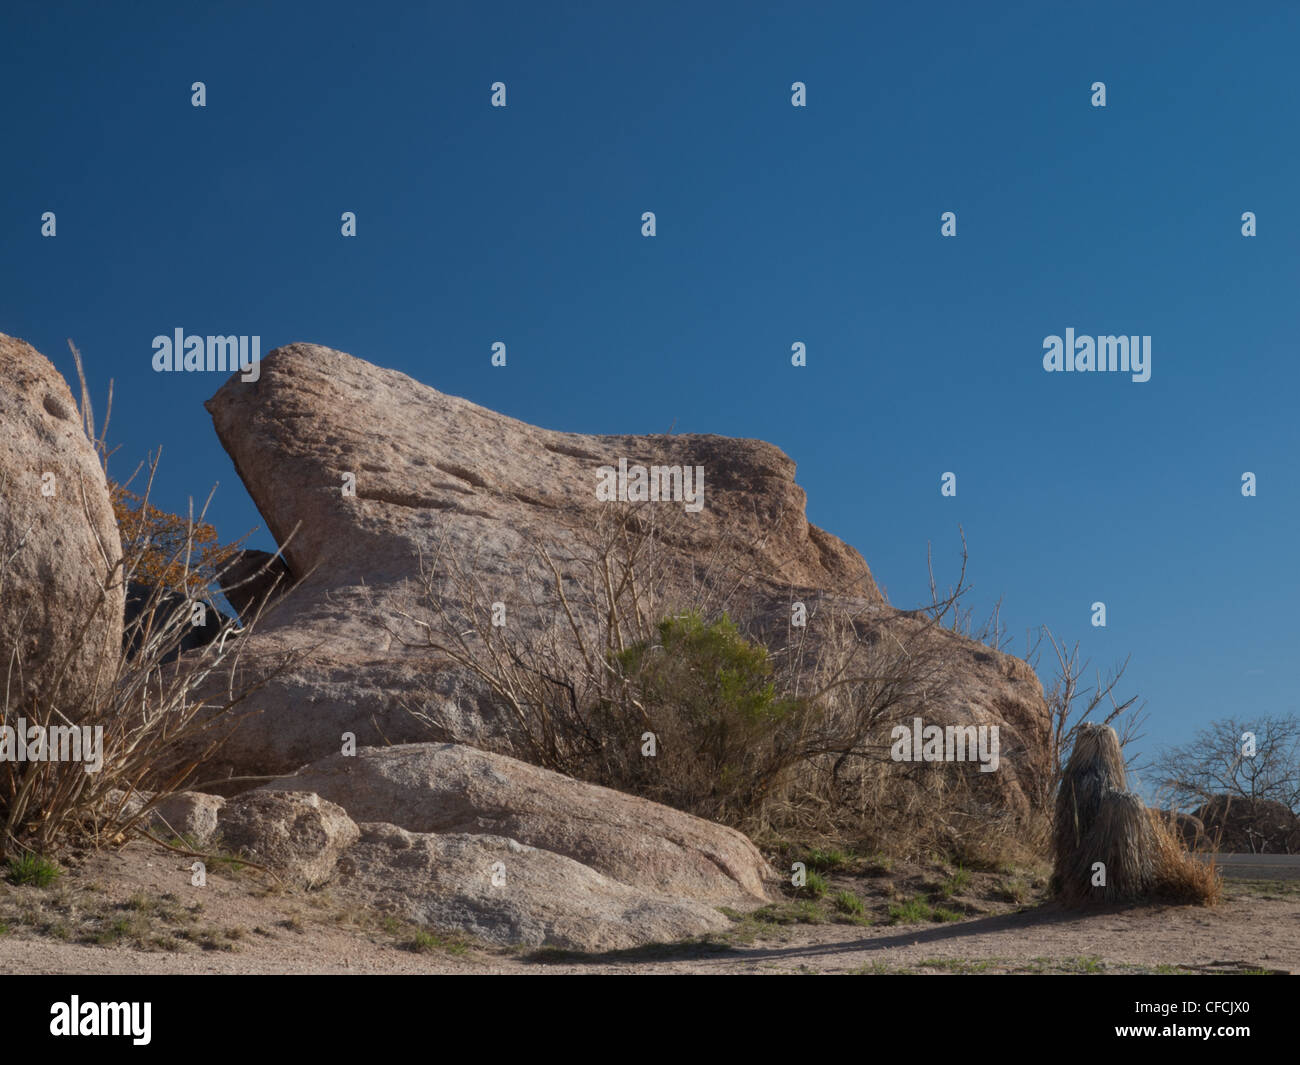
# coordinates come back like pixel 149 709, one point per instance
pixel 158 540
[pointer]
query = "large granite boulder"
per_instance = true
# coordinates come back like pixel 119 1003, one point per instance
pixel 61 598
pixel 363 474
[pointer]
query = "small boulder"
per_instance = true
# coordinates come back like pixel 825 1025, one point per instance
pixel 291 832
pixel 190 814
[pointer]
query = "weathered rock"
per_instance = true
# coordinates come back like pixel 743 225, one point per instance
pixel 150 611
pixel 294 833
pixel 191 814
pixel 252 579
pixel 64 546
pixel 1247 826
pixel 436 472
pixel 450 788
pixel 539 898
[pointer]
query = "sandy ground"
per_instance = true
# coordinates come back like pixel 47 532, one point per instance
pixel 147 918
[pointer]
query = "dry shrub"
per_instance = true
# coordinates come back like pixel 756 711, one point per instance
pixel 1180 876
pixel 1099 820
pixel 782 731
pixel 144 701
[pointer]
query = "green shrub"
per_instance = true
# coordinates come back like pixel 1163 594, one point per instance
pixel 955 884
pixel 725 736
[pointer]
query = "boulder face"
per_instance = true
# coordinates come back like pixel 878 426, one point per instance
pixel 294 833
pixel 461 840
pixel 64 543
pixel 501 891
pixel 428 467
pixel 450 788
pixel 362 473
pixel 1250 826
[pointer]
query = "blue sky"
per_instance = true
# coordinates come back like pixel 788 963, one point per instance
pixel 775 225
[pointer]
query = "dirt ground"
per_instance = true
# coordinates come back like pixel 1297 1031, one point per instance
pixel 135 911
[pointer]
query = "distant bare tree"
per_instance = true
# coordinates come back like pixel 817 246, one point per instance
pixel 1217 762
pixel 1071 701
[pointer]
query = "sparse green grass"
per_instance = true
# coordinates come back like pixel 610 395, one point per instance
pixel 1084 963
pixel 918 911
pixel 808 912
pixel 777 920
pixel 826 860
pixel 913 911
pixel 879 968
pixel 816 885
pixel 1014 890
pixel 142 921
pixel 119 928
pixel 706 944
pixel 33 869
pixel 848 903
pixel 424 942
pixel 955 884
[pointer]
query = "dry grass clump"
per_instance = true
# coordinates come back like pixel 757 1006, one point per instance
pixel 1098 820
pixel 143 708
pixel 1181 877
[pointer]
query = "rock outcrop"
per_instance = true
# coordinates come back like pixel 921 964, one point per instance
pixel 189 815
pixel 361 473
pixel 1250 826
pixel 59 542
pixel 461 840
pixel 449 788
pixel 501 891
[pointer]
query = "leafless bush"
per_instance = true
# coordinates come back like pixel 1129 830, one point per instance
pixel 1220 761
pixel 143 701
pixel 1072 703
pixel 583 666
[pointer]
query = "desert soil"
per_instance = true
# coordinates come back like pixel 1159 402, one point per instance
pixel 134 910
